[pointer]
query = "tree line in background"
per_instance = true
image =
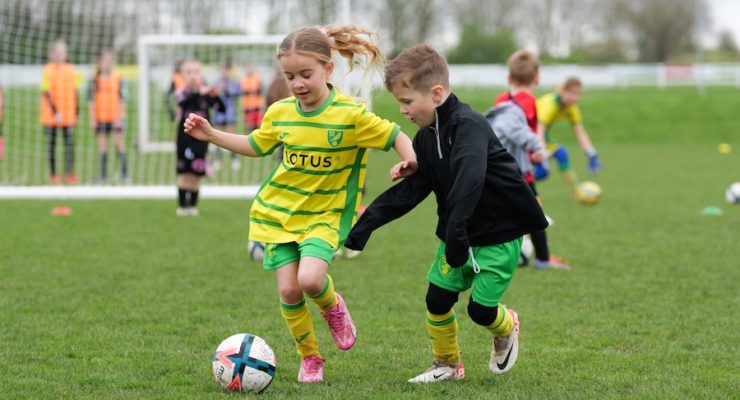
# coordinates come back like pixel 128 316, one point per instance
pixel 468 31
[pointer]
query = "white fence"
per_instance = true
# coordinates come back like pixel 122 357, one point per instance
pixel 616 75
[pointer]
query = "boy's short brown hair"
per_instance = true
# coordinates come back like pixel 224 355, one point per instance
pixel 571 83
pixel 523 67
pixel 418 68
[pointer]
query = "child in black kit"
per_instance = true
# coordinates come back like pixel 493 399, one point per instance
pixel 191 153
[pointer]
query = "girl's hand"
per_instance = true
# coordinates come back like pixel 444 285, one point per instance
pixel 198 127
pixel 403 169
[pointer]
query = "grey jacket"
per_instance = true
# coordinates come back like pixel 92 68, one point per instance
pixel 510 125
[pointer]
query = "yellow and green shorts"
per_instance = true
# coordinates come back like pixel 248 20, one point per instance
pixel 279 254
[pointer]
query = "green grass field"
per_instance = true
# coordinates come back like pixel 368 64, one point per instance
pixel 125 300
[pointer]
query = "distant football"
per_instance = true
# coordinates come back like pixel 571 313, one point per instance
pixel 244 363
pixel 256 250
pixel 588 193
pixel 732 194
pixel 527 251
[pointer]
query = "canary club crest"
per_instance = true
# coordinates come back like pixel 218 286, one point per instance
pixel 444 268
pixel 334 137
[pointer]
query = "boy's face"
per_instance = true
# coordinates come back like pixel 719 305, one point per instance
pixel 570 96
pixel 418 106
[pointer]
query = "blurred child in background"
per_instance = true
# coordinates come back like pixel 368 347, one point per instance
pixel 106 111
pixel 563 105
pixel 225 119
pixel 59 109
pixel 194 98
pixel 514 120
pixel 252 99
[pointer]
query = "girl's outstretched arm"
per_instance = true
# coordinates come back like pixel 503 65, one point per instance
pixel 199 128
pixel 408 165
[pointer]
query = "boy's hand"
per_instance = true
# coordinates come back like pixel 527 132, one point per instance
pixel 198 127
pixel 403 169
pixel 456 255
pixel 539 156
pixel 594 164
pixel 541 170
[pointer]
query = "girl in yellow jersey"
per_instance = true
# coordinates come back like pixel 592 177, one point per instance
pixel 305 208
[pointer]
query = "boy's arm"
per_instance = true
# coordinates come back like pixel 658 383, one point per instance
pixel 594 164
pixel 468 161
pixel 391 204
pixel 516 130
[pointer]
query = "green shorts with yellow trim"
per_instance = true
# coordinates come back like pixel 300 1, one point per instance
pixel 279 254
pixel 497 264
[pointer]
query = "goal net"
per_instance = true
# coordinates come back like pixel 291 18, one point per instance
pixel 147 39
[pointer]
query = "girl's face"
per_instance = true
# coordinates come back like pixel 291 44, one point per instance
pixel 191 73
pixel 306 78
pixel 106 62
pixel 59 53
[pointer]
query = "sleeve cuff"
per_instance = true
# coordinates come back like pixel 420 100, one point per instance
pixel 255 147
pixel 392 138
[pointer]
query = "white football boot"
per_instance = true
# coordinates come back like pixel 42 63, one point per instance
pixel 505 349
pixel 440 371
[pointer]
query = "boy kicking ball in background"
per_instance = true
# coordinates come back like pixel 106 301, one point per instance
pixel 484 208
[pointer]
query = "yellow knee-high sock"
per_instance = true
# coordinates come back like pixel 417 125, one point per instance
pixel 443 332
pixel 301 328
pixel 503 324
pixel 326 299
pixel 571 180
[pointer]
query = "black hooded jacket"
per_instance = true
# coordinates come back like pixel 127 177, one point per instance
pixel 482 199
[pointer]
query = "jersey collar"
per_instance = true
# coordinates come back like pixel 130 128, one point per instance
pixel 327 102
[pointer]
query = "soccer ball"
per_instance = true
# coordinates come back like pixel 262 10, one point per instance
pixel 732 194
pixel 588 193
pixel 256 250
pixel 244 363
pixel 527 251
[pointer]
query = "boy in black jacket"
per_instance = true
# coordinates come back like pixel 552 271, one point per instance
pixel 483 204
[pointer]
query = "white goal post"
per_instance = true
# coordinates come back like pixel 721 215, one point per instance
pixel 146 143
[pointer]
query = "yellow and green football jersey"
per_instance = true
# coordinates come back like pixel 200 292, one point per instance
pixel 316 190
pixel 550 109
